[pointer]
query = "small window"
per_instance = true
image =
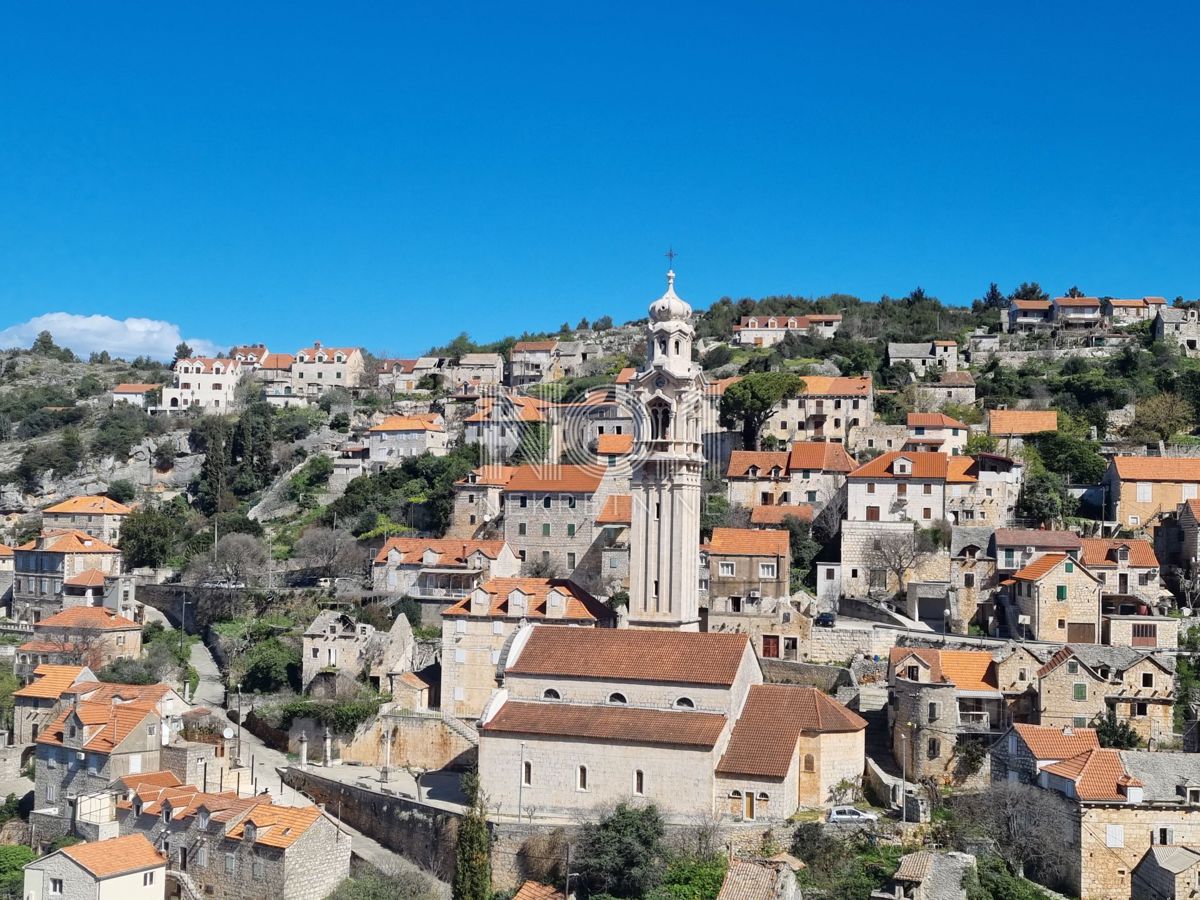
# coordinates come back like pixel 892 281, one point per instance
pixel 617 698
pixel 810 763
pixel 56 886
pixel 570 529
pixel 934 748
pixel 1079 691
pixel 551 694
pixel 527 773
pixel 1073 667
pixel 1147 679
pixel 639 782
pixel 581 778
pixel 147 879
pixel 935 711
pixel 685 703
pixel 230 863
pixel 766 570
pixel 546 530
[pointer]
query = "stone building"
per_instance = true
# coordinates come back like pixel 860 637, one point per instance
pixel 746 566
pixel 121 868
pixel 616 520
pixel 1081 683
pixel 317 370
pixel 1167 873
pixel 937 432
pixel 532 362
pixel 668 399
pixel 925 357
pixel 809 472
pixel 1126 568
pixel 499 423
pixel 89 636
pixel 1140 490
pixel 1024 750
pixel 99 516
pixel 437 572
pixel 342 649
pixel 1026 315
pixel 928 875
pixel 1076 312
pixel 953 388
pixel 1015 548
pixel 1056 599
pixel 228 847
pixel 205 384
pixel 768 330
pixel 398 438
pixel 1180 327
pixel 65 568
pixel 144 395
pixel 35 704
pixel 756 879
pixel 828 408
pixel 592 717
pixel 477 629
pixel 1132 311
pixel 479 501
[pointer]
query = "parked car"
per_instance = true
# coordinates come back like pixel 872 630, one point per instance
pixel 825 620
pixel 848 815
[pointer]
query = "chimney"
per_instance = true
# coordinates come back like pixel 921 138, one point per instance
pixel 316 345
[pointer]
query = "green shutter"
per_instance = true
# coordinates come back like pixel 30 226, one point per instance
pixel 1062 592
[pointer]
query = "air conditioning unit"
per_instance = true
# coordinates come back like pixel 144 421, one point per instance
pixel 80 755
pixel 754 595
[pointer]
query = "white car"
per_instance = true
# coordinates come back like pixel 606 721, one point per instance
pixel 848 815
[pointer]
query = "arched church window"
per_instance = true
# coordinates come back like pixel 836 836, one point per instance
pixel 677 348
pixel 685 703
pixel 660 420
pixel 617 698
pixel 551 694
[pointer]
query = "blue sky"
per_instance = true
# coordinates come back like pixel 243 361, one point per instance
pixel 390 174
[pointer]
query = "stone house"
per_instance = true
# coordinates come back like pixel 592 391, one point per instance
pixel 89 636
pixel 35 704
pixel 550 517
pixel 478 369
pixel 753 879
pixel 683 720
pixel 1026 315
pixel 1167 873
pixel 1126 568
pixel 1081 683
pixel 953 388
pixel 437 572
pixel 341 648
pixel 826 409
pixel 479 501
pixel 63 568
pixel 250 355
pixel 972 579
pixel 1130 312
pixel 939 701
pixel 1076 312
pixel 937 432
pixel 140 394
pixel 1180 327
pixel 1017 665
pixel 1057 600
pixel 477 630
pixel 1120 806
pixel 1126 625
pixel 925 357
pixel 809 472
pixel 274 373
pixel 397 438
pixel 928 875
pixel 768 330
pixel 498 424
pixel 99 516
pixel 1024 750
pixel 616 521
pixel 230 847
pixel 120 868
pixel 532 362
pixel 203 383
pixel 316 370
pixel 1015 548
pixel 1140 490
pixel 398 374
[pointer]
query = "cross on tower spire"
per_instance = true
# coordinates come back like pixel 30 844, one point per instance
pixel 670 255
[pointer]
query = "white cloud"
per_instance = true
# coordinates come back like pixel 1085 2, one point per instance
pixel 120 337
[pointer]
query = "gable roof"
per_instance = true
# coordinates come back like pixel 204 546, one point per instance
pixel 115 856
pixel 1050 742
pixel 750 542
pixel 967 670
pixel 1077 301
pixel 926 464
pixel 742 461
pixel 1101 553
pixel 750 879
pixel 1098 774
pixel 1021 421
pixel 68 540
pixel 618 510
pixel 836 385
pixel 535 890
pixel 51 681
pixel 130 387
pixel 88 578
pixel 1031 305
pixel 407 423
pixel 1034 537
pixel 614 444
pixel 95 505
pixel 1040 567
pixel 774 515
pixel 450 551
pixel 932 420
pixel 5 550
pixel 628 654
pixel 534 346
pixel 550 479
pixel 580 605
pixel 96 618
pixel 491 475
pixel 275 825
pixel 763 740
pixel 626 724
pixel 823 456
pixel 1157 468
pixel 106 725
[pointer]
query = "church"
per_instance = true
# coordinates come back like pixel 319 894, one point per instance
pixel 660 712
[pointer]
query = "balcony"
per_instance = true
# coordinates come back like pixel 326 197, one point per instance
pixel 974 721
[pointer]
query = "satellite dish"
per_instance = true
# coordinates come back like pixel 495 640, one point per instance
pixel 227 733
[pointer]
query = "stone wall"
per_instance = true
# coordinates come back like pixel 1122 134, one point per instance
pixel 823 677
pixel 840 645
pixel 419 742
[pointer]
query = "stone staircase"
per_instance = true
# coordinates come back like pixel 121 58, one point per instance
pixel 872 706
pixel 462 729
pixel 187 887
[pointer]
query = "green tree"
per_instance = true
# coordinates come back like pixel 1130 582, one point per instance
pixel 271 665
pixel 1163 415
pixel 473 855
pixel 604 323
pixel 1044 498
pixel 122 490
pixel 164 456
pixel 1029 290
pixel 183 351
pixel 148 536
pixel 1077 460
pixel 994 299
pixel 70 453
pixel 214 485
pixel 397 885
pixel 1116 733
pixel 804 550
pixel 622 855
pixel 534 446
pixel 13 860
pixel 749 403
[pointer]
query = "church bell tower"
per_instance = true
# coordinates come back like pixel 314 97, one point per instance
pixel 664 564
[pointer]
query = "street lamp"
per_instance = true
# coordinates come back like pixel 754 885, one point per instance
pixel 182 626
pixel 904 773
pixel 239 731
pixel 946 621
pixel 521 784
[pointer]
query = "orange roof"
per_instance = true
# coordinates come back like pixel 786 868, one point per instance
pixel 280 361
pixel 623 377
pixel 276 826
pixel 535 890
pixel 967 670
pixel 255 350
pixel 613 444
pixel 1097 773
pixel 450 551
pixel 111 691
pixel 494 476
pixel 50 682
pixel 6 550
pixel 1077 301
pixel 628 724
pixel 48 647
pixel 69 540
pixel 134 388
pixel 932 420
pixel 1157 468
pixel 719 386
pixel 551 479
pixel 618 510
pixel 750 542
pixel 407 423
pixel 580 605
pixel 88 578
pixel 742 461
pixel 1021 421
pixel 1040 567
pixel 924 464
pixel 763 740
pixel 824 456
pixel 534 346
pixel 1049 742
pixel 1100 553
pixel 836 386
pixel 87 617
pixel 774 515
pixel 1129 304
pixel 116 856
pixel 631 654
pixel 525 409
pixel 160 779
pixel 106 725
pixel 1032 304
pixel 330 353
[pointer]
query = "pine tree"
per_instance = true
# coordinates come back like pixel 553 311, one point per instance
pixel 473 857
pixel 213 482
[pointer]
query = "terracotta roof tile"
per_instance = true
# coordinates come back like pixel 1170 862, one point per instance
pixel 626 375
pixel 495 476
pixel 550 479
pixel 763 740
pixel 1049 742
pixel 821 456
pixel 90 505
pixel 87 617
pixel 110 692
pixel 68 540
pixel 1098 774
pixel 747 879
pixel 836 386
pixel 534 346
pixel 925 464
pixel 628 654
pixel 614 444
pixel 5 550
pixel 535 890
pixel 627 724
pixel 742 461
pixel 1077 301
pixel 50 682
pixel 88 578
pixel 108 723
pixel 1157 468
pixel 1021 421
pixel 774 515
pixel 134 388
pixel 450 551
pixel 1040 567
pixel 160 779
pixel 116 856
pixel 580 605
pixel 750 542
pixel 968 670
pixel 932 420
pixel 1032 305
pixel 407 423
pixel 1100 553
pixel 276 826
pixel 618 510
